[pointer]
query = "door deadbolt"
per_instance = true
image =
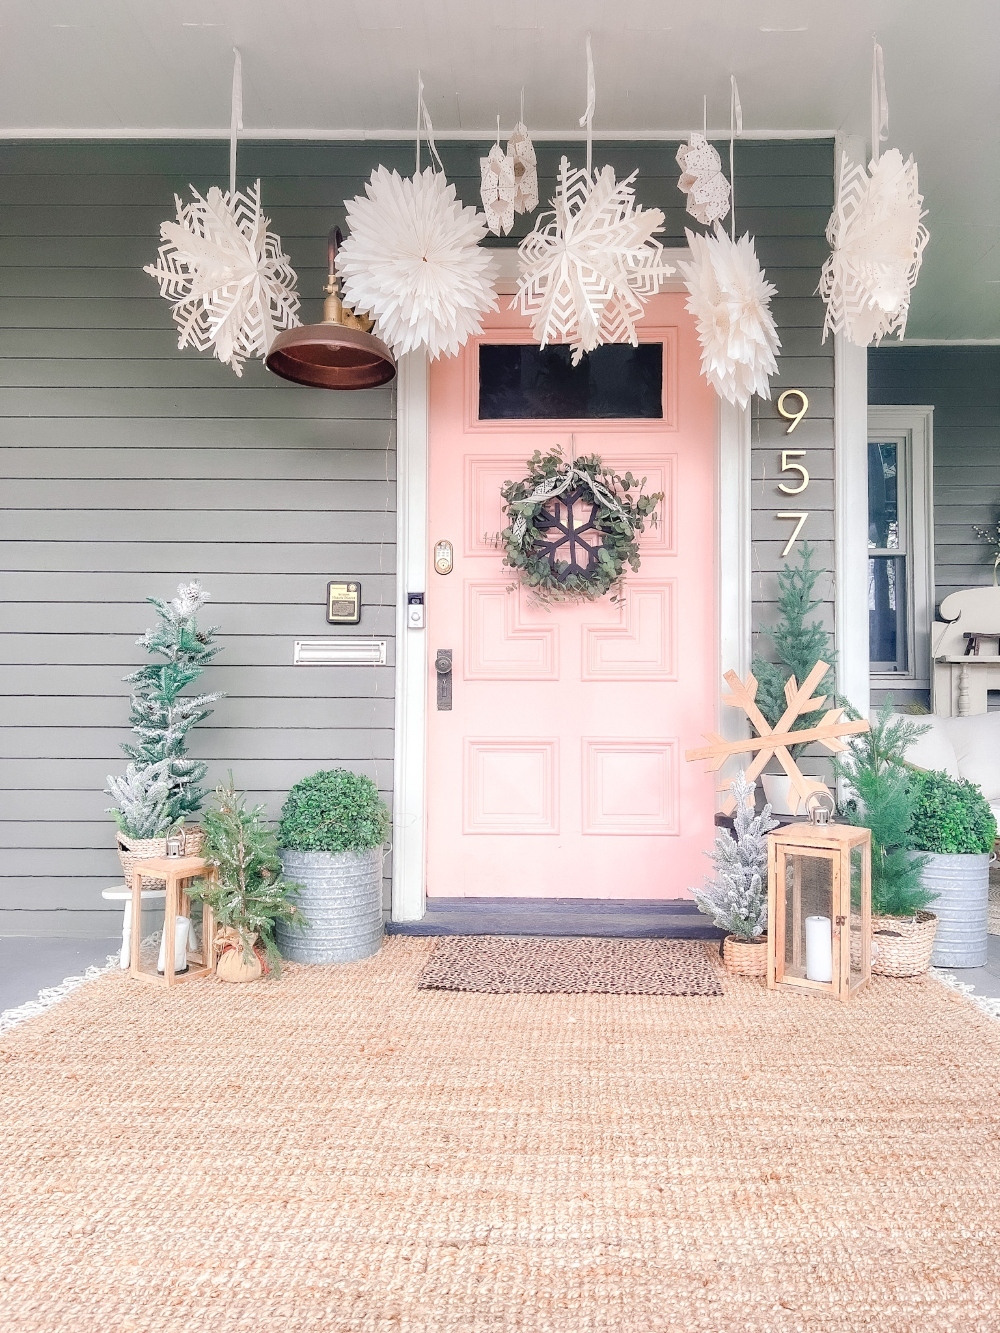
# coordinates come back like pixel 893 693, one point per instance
pixel 444 557
pixel 442 665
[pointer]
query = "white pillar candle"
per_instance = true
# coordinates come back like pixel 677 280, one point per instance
pixel 819 948
pixel 182 925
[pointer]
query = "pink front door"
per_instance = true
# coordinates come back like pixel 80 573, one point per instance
pixel 559 771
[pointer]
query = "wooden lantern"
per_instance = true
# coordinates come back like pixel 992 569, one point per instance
pixel 819 915
pixel 168 970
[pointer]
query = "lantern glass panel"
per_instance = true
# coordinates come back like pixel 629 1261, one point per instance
pixel 809 913
pixel 857 872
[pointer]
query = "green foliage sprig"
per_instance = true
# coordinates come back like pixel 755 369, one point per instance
pixel 991 535
pixel 250 893
pixel 619 530
pixel 333 811
pixel 951 815
pixel 799 643
pixel 883 801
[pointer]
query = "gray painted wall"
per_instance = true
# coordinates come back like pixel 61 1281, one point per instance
pixel 963 385
pixel 128 466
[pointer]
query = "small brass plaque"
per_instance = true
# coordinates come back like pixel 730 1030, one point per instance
pixel 343 603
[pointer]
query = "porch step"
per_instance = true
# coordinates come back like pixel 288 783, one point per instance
pixel 607 918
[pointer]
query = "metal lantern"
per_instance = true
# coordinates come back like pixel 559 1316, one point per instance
pixel 340 353
pixel 819 896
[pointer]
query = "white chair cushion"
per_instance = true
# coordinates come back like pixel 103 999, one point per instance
pixel 934 750
pixel 976 742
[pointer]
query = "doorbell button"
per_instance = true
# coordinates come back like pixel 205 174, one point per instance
pixel 415 610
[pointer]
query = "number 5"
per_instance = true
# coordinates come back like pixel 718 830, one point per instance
pixel 801 515
pixel 786 454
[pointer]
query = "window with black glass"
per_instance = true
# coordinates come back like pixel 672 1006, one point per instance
pixel 888 558
pixel 524 382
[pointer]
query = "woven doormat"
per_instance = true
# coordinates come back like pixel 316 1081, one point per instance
pixel 515 965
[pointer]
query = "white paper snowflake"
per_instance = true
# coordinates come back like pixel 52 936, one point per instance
pixel 413 262
pixel 231 288
pixel 730 300
pixel 877 240
pixel 702 180
pixel 497 190
pixel 588 268
pixel 521 151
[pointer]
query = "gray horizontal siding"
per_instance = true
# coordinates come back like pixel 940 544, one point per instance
pixel 127 466
pixel 963 385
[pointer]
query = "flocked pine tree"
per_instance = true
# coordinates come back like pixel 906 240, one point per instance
pixel 736 899
pixel 799 644
pixel 160 788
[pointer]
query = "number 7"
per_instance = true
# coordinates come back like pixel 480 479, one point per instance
pixel 801 515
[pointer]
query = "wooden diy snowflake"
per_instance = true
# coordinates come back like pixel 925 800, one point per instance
pixel 774 742
pixel 231 287
pixel 877 243
pixel 589 266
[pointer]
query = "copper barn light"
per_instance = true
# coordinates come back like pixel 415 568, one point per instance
pixel 340 353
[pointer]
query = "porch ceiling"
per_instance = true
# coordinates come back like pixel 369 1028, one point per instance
pixel 120 67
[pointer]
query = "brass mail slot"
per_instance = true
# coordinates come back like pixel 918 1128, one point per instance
pixel 343 603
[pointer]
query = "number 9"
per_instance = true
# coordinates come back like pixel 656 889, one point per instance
pixel 793 417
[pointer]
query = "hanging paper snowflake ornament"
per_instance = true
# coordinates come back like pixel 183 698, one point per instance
pixel 730 300
pixel 232 288
pixel 413 261
pixel 589 266
pixel 497 190
pixel 702 180
pixel 521 151
pixel 876 236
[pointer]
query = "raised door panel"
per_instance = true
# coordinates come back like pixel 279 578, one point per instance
pixel 511 786
pixel 631 786
pixel 498 645
pixel 642 645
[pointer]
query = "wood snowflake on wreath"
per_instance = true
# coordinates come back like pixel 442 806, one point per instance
pixel 573 526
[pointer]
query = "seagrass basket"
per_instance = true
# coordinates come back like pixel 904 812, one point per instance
pixel 132 850
pixel 745 958
pixel 902 946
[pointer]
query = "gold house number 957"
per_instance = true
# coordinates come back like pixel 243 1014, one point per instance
pixel 789 464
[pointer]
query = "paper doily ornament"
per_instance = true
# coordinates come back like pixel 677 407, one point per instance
pixel 877 243
pixel 589 266
pixel 413 262
pixel 731 302
pixel 232 289
pixel 497 190
pixel 521 151
pixel 702 180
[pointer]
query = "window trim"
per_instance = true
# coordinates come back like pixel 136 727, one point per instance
pixel 912 427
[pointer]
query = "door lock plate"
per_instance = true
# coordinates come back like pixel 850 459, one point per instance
pixel 443 665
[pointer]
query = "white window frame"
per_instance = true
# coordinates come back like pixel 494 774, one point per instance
pixel 911 428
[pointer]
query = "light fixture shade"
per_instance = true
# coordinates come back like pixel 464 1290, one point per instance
pixel 330 356
pixel 340 353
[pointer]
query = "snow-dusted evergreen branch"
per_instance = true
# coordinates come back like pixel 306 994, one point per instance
pixel 736 899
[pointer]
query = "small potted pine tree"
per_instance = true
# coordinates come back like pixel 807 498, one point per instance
pixel 799 643
pixel 882 799
pixel 736 899
pixel 161 788
pixel 333 825
pixel 249 894
pixel 954 829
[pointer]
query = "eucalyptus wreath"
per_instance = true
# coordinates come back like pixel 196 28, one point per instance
pixel 556 555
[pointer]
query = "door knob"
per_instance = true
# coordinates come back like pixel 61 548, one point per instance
pixel 442 665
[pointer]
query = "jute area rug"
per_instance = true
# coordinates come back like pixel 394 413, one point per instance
pixel 342 1151
pixel 511 965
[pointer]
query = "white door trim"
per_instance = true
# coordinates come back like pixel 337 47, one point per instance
pixel 410 740
pixel 733 609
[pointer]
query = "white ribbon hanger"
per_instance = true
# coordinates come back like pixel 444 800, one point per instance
pixel 425 127
pixel 735 128
pixel 587 119
pixel 880 103
pixel 236 116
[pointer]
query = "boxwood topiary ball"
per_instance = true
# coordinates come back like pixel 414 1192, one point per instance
pixel 333 811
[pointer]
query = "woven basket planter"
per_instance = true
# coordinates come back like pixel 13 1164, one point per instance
pixel 133 850
pixel 903 944
pixel 745 958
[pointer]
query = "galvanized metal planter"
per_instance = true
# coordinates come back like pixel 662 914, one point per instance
pixel 341 900
pixel 962 885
